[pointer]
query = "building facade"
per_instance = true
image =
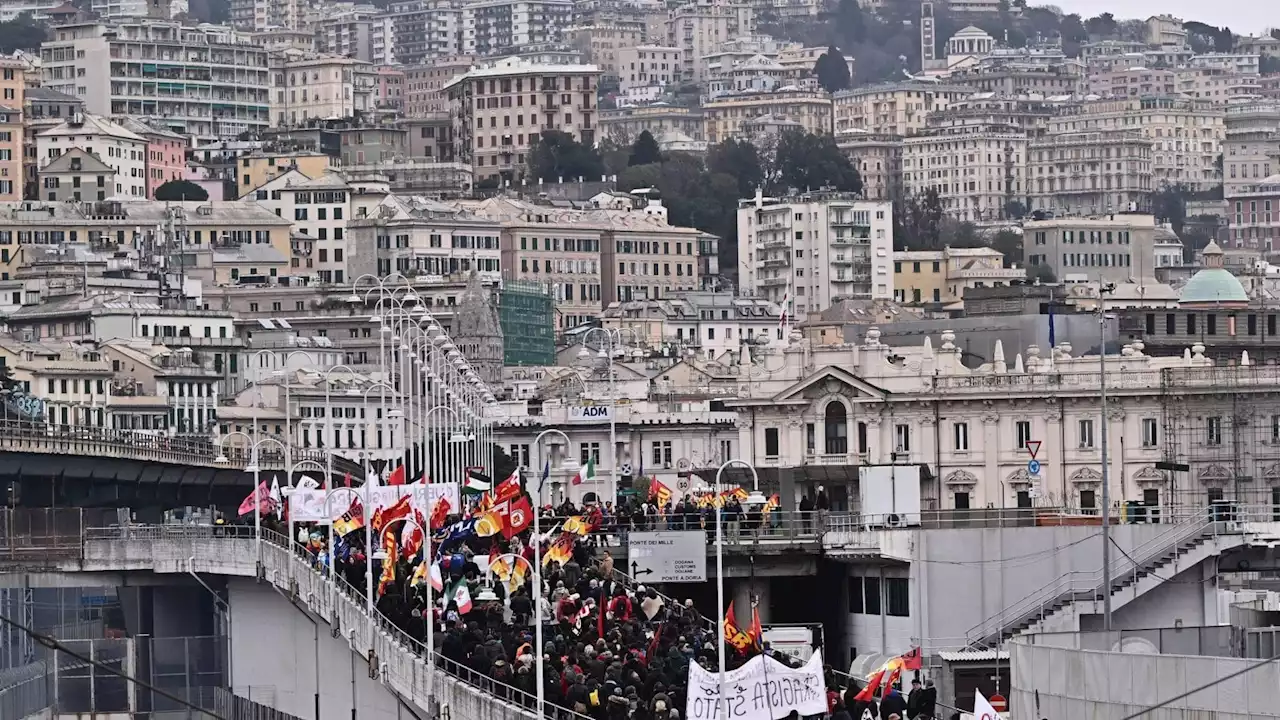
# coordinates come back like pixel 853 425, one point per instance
pixel 1090 172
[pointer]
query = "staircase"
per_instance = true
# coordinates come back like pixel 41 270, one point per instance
pixel 1058 607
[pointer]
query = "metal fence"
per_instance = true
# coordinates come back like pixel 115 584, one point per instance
pixel 35 535
pixel 26 698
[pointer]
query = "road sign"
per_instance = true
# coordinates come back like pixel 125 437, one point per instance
pixel 1033 467
pixel 675 556
pixel 1033 447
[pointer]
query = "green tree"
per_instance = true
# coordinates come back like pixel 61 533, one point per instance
pixel 21 33
pixel 1042 273
pixel 805 161
pixel 1102 26
pixel 737 159
pixel 1009 244
pixel 917 222
pixel 179 190
pixel 645 151
pixel 1169 205
pixel 832 71
pixel 613 155
pixel 558 156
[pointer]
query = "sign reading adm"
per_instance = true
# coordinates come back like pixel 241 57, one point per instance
pixel 674 556
pixel 590 413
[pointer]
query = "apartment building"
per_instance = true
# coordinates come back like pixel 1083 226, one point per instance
pixel 159 9
pixel 1021 78
pixel 893 108
pixel 1251 134
pixel 649 66
pixel 77 176
pixel 601 45
pixel 1223 87
pixel 498 27
pixel 13 89
pixel 42 109
pixel 1134 82
pixel 504 107
pixel 878 159
pixel 320 209
pixel 360 33
pixel 424 31
pixel 709 323
pixel 1107 248
pixel 805 252
pixel 166 153
pixel 698 28
pixel 121 149
pixel 421 238
pixel 726 115
pixel 317 88
pixel 424 92
pixel 624 125
pixel 207 81
pixel 1090 172
pixel 1253 218
pixel 1186 134
pixel 1243 63
pixel 940 277
pixel 977 169
pixel 254 170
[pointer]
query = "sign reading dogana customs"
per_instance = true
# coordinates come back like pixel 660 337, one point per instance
pixel 672 556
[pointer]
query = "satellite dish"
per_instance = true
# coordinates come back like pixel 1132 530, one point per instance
pixel 1136 646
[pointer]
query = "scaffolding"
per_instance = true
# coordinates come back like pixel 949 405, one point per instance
pixel 526 311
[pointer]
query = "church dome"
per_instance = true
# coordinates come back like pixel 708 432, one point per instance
pixel 1213 286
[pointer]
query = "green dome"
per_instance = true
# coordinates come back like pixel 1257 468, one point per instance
pixel 1213 286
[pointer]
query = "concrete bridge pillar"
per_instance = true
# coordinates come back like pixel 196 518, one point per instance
pixel 741 591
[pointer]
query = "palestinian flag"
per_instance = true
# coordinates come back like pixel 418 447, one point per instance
pixel 477 483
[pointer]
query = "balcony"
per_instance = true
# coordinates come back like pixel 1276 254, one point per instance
pixel 773 282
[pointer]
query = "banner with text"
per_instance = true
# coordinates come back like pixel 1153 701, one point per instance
pixel 309 505
pixel 763 689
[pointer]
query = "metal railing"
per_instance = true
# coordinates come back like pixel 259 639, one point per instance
pixel 26 698
pixel 28 437
pixel 34 535
pixel 1083 585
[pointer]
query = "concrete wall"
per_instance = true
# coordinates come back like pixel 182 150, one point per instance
pixel 277 659
pixel 960 578
pixel 1054 682
pixel 1188 599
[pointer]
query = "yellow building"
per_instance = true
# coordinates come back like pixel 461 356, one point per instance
pixel 12 87
pixel 726 115
pixel 893 108
pixel 256 169
pixel 941 276
pixel 227 242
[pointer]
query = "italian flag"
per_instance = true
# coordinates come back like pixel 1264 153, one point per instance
pixel 587 473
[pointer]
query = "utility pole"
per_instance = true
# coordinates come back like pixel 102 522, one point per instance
pixel 1105 289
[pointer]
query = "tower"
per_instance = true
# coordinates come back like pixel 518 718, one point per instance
pixel 477 332
pixel 928 53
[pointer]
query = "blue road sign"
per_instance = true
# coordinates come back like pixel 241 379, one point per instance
pixel 1033 467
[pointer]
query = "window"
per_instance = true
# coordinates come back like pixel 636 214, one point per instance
pixel 856 604
pixel 1022 433
pixel 589 452
pixel 862 438
pixel 962 436
pixel 871 595
pixel 902 438
pixel 810 444
pixel 1150 433
pixel 1088 500
pixel 897 598
pixel 1213 431
pixel 662 453
pixel 771 442
pixel 962 500
pixel 836 429
pixel 1086 434
pixel 1024 498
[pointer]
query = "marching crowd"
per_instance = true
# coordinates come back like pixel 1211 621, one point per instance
pixel 612 649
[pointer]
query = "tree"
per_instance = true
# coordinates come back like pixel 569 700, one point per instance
pixel 179 190
pixel 832 71
pixel 804 161
pixel 645 151
pixel 917 222
pixel 1009 244
pixel 558 156
pixel 1169 205
pixel 737 159
pixel 613 155
pixel 21 33
pixel 1015 210
pixel 1102 26
pixel 1041 273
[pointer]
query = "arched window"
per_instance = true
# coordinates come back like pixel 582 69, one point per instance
pixel 837 429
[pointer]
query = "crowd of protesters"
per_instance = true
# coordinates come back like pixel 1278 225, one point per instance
pixel 613 649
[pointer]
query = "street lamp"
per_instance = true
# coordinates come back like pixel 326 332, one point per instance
pixel 724 708
pixel 253 467
pixel 613 341
pixel 537 565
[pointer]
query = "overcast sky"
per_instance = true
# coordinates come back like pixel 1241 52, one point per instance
pixel 1242 16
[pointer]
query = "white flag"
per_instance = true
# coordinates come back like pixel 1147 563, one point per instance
pixel 982 709
pixel 307 483
pixel 275 496
pixel 866 715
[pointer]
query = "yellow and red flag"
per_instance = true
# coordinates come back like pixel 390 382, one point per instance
pixel 659 492
pixel 388 565
pixel 349 521
pixel 734 635
pixel 385 516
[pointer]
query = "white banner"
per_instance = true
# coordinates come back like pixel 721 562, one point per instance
pixel 309 505
pixel 763 689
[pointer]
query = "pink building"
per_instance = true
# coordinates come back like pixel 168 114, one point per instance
pixel 389 92
pixel 166 153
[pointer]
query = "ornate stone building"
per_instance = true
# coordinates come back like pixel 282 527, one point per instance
pixel 477 332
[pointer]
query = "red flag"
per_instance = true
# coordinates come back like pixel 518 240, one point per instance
pixel 263 500
pixel 519 517
pixel 912 660
pixel 348 479
pixel 494 552
pixel 893 678
pixel 653 645
pixel 385 516
pixel 868 693
pixel 756 632
pixel 388 565
pixel 412 541
pixel 508 489
pixel 396 477
pixel 439 513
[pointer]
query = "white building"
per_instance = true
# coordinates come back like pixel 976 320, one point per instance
pixel 807 251
pixel 121 149
pixel 699 29
pixel 312 88
pixel 413 235
pixel 976 169
pixel 1089 172
pixel 710 325
pixel 498 27
pixel 131 67
pixel 649 66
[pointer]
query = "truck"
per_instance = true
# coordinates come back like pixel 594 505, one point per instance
pixel 800 641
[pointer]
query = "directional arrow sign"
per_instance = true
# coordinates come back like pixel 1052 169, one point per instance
pixel 1033 447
